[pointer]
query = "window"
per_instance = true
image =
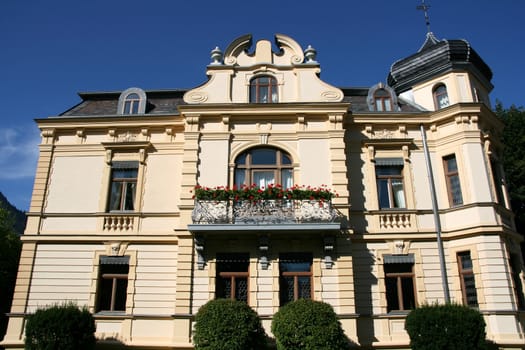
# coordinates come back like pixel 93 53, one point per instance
pixel 263 166
pixel 112 283
pixel 295 277
pixel 497 179
pixel 132 101
pixel 399 282
pixel 441 96
pixel 383 100
pixel 466 275
pixel 452 177
pixel 123 186
pixel 515 268
pixel 389 177
pixel 232 276
pixel 131 104
pixel 263 89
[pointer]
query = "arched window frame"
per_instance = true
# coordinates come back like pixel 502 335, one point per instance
pixel 248 171
pixel 440 93
pixel 258 86
pixel 373 98
pixel 127 99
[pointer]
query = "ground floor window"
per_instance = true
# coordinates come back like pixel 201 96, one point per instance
pixel 295 277
pixel 399 282
pixel 232 276
pixel 112 283
pixel 468 284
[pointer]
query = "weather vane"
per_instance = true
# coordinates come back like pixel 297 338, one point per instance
pixel 424 7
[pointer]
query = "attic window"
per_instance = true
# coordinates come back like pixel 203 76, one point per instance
pixel 132 101
pixel 441 96
pixel 263 89
pixel 383 100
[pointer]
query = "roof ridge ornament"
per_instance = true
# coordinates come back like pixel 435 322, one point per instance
pixel 424 7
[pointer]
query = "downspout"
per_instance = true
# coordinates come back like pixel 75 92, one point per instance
pixel 437 221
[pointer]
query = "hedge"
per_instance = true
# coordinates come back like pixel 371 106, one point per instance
pixel 308 325
pixel 222 324
pixel 449 326
pixel 64 327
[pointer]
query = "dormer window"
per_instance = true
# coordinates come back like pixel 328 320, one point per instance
pixel 441 96
pixel 263 89
pixel 383 100
pixel 132 101
pixel 131 104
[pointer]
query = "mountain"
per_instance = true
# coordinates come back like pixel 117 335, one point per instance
pixel 19 216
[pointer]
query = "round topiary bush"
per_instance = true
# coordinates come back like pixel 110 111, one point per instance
pixel 449 326
pixel 222 324
pixel 309 325
pixel 64 327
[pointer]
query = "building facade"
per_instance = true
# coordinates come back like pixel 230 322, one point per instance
pixel 133 215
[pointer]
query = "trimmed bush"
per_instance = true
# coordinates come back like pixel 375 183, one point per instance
pixel 449 326
pixel 225 324
pixel 64 327
pixel 308 325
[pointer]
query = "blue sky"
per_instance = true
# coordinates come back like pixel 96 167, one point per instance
pixel 55 48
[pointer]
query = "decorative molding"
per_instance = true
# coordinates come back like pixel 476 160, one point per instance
pixel 328 248
pixel 264 244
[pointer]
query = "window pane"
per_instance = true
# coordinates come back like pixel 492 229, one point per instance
pixel 305 291
pixel 263 178
pixel 466 261
pixel 452 164
pixel 120 295
pixel 223 288
pixel 455 189
pixel 115 196
pixel 379 105
pixel 470 290
pixel 286 289
pixel 135 107
pixel 285 159
pixel 124 173
pixel 407 286
pixel 388 170
pixel 127 107
pixel 287 178
pixel 382 191
pixel 388 104
pixel 240 177
pixel 398 193
pixel 241 289
pixel 129 199
pixel 132 96
pixel 392 298
pixel 264 156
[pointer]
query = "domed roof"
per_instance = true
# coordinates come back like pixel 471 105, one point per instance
pixel 436 57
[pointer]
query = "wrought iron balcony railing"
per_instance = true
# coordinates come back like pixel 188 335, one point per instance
pixel 267 211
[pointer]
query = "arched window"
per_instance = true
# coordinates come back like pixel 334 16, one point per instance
pixel 383 100
pixel 441 96
pixel 263 166
pixel 132 101
pixel 263 89
pixel 131 104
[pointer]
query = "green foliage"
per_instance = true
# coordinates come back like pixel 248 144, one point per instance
pixel 449 326
pixel 225 324
pixel 10 247
pixel 514 158
pixel 308 325
pixel 254 193
pixel 64 327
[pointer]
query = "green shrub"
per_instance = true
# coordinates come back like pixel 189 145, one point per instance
pixel 449 326
pixel 64 327
pixel 225 324
pixel 309 325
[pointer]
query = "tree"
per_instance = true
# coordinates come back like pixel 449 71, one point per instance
pixel 10 246
pixel 514 158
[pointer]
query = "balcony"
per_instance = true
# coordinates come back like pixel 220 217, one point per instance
pixel 274 214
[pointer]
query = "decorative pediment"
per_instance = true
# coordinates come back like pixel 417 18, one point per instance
pixel 295 73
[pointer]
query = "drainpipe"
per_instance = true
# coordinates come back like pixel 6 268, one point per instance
pixel 437 221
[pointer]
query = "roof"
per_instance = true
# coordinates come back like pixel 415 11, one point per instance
pixel 436 57
pixel 162 102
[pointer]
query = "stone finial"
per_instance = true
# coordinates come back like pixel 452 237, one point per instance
pixel 310 53
pixel 216 56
